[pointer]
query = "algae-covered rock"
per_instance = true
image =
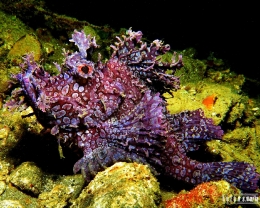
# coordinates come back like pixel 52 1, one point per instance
pixel 236 112
pixel 67 188
pixel 10 204
pixel 4 132
pixel 2 187
pixel 56 198
pixel 75 184
pixel 28 177
pixel 12 28
pixel 192 97
pixel 13 125
pixel 121 185
pixel 238 145
pixel 216 92
pixel 26 44
pixel 4 80
pixel 12 197
pixel 210 194
pixel 5 169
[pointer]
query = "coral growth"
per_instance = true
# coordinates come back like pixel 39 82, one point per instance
pixel 210 194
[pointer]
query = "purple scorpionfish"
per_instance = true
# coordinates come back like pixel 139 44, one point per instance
pixel 113 112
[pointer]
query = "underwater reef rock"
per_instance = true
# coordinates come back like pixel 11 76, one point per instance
pixel 62 192
pixel 121 185
pixel 209 194
pixel 10 204
pixel 28 177
pixel 241 144
pixel 23 46
pixel 12 127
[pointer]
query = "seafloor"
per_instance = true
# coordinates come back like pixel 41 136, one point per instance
pixel 32 174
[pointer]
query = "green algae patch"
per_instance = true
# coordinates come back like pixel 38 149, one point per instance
pixel 25 45
pixel 13 126
pixel 240 144
pixel 91 31
pixel 12 29
pixel 4 78
pixel 199 83
pixel 13 197
pixel 62 191
pixel 192 97
pixel 121 185
pixel 28 177
pixel 5 169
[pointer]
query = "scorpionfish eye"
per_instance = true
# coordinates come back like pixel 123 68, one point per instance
pixel 85 70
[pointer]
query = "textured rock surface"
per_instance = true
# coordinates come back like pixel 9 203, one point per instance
pixel 195 87
pixel 24 45
pixel 62 192
pixel 208 194
pixel 28 177
pixel 121 185
pixel 10 204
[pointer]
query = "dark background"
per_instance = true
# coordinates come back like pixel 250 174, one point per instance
pixel 230 29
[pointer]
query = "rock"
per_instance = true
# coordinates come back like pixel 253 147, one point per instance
pixel 27 177
pixel 240 144
pixel 14 197
pixel 208 194
pixel 4 170
pixel 2 187
pixel 69 187
pixel 4 132
pixel 26 44
pixel 56 198
pixel 13 125
pixel 74 183
pixel 10 204
pixel 121 185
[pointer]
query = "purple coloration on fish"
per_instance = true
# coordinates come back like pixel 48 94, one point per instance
pixel 113 112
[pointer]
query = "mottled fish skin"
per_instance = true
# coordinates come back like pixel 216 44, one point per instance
pixel 113 112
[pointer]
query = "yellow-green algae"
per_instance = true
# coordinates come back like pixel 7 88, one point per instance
pixel 241 144
pixel 26 44
pixel 12 127
pixel 12 29
pixel 61 194
pixel 195 87
pixel 28 177
pixel 121 185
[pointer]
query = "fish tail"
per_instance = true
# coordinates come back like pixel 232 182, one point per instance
pixel 240 174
